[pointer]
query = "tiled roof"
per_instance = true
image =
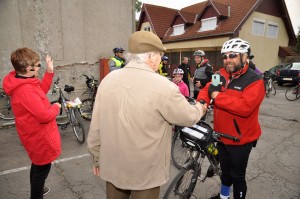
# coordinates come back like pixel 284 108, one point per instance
pixel 222 9
pixel 287 51
pixel 196 8
pixel 239 9
pixel 160 17
pixel 188 17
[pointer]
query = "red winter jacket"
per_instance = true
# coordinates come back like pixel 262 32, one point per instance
pixel 34 116
pixel 238 102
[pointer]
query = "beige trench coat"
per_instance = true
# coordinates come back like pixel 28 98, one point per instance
pixel 130 132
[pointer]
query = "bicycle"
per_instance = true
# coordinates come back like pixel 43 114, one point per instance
pixel 69 112
pixel 91 84
pixel 88 103
pixel 293 93
pixel 200 140
pixel 179 151
pixel 5 106
pixel 269 83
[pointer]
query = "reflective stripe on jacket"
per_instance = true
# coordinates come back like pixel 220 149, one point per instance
pixel 119 63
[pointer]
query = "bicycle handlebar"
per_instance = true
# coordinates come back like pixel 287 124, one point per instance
pixel 234 139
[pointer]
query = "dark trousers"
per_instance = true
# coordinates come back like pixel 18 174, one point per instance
pixel 38 175
pixel 233 161
pixel 113 192
pixel 196 94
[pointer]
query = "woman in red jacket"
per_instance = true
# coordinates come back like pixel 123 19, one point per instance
pixel 35 117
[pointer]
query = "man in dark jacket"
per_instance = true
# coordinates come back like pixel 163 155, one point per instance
pixel 203 72
pixel 236 106
pixel 187 71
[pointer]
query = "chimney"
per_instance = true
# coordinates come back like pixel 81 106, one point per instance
pixel 228 8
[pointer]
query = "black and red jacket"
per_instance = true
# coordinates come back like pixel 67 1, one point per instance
pixel 236 107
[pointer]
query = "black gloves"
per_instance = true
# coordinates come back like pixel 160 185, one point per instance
pixel 213 88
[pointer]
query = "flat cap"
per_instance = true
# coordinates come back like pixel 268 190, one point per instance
pixel 143 42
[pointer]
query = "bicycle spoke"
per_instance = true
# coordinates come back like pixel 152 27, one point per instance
pixel 77 125
pixel 292 93
pixel 87 108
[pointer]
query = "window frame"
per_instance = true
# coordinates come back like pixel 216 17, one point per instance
pixel 178 26
pixel 259 21
pixel 274 25
pixel 147 28
pixel 208 20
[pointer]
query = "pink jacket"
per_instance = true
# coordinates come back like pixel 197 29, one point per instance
pixel 35 117
pixel 183 88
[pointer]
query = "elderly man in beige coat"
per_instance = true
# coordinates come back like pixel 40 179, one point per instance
pixel 131 128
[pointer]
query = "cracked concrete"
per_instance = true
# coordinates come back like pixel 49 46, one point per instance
pixel 273 170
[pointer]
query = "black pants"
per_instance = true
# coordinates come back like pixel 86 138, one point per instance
pixel 233 161
pixel 196 94
pixel 38 175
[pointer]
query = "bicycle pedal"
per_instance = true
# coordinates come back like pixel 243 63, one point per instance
pixel 63 127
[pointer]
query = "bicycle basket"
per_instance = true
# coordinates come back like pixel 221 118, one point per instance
pixel 200 134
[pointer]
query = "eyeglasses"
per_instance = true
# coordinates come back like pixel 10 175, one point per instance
pixel 39 65
pixel 230 56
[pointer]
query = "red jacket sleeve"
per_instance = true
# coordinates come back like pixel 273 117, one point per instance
pixel 245 104
pixel 39 106
pixel 46 82
pixel 203 94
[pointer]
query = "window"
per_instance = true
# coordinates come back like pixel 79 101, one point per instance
pixel 178 29
pixel 258 27
pixel 272 30
pixel 147 28
pixel 208 24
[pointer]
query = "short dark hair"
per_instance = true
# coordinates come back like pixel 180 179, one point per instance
pixel 22 58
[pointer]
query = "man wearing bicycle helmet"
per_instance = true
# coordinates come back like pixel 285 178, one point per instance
pixel 163 68
pixel 203 71
pixel 236 99
pixel 177 79
pixel 118 61
pixel 131 128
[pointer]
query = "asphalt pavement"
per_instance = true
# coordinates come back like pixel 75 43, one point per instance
pixel 273 169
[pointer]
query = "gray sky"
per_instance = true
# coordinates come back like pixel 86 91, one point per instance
pixel 292 5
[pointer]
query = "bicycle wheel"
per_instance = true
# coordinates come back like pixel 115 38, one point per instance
pixel 62 117
pixel 273 89
pixel 87 108
pixel 77 125
pixel 5 108
pixel 179 154
pixel 267 89
pixel 182 185
pixel 292 93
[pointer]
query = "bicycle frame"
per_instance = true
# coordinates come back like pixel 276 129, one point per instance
pixel 73 113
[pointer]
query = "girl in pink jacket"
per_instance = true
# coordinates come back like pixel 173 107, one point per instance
pixel 177 79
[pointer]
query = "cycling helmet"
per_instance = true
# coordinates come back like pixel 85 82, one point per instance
pixel 200 53
pixel 235 45
pixel 118 49
pixel 178 71
pixel 165 58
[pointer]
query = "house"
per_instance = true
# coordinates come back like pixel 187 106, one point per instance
pixel 208 24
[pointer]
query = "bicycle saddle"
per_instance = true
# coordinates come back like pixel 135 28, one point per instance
pixel 69 89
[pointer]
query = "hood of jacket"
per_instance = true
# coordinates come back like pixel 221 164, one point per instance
pixel 11 83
